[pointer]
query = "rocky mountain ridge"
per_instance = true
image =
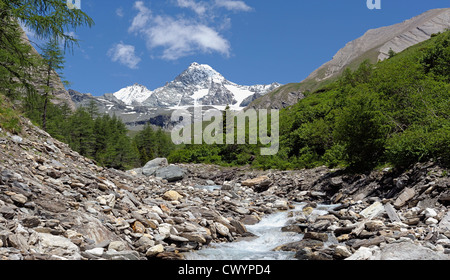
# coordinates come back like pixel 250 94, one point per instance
pixel 374 45
pixel 56 204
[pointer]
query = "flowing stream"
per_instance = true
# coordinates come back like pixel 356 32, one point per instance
pixel 268 236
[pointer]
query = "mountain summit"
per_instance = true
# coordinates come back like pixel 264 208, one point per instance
pixel 198 84
pixel 133 94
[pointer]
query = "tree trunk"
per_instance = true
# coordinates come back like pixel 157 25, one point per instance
pixel 44 113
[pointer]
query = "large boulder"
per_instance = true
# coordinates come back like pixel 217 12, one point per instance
pixel 171 173
pixel 259 184
pixel 410 251
pixel 444 225
pixel 152 166
pixel 56 246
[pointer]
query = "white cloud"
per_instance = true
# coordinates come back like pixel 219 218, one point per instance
pixel 181 38
pixel 124 54
pixel 198 7
pixel 141 20
pixel 178 37
pixel 233 5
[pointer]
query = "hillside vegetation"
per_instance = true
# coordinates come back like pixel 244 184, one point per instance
pixel 395 112
pixel 29 81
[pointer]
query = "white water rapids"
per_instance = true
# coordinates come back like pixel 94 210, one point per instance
pixel 268 236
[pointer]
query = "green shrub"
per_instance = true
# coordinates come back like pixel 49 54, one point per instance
pixel 335 156
pixel 9 118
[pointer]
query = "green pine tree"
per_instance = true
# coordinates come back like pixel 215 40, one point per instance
pixel 48 19
pixel 53 60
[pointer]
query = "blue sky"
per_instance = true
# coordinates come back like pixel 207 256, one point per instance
pixel 249 41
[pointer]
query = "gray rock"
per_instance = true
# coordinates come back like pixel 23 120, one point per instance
pixel 393 216
pixel 221 229
pixel 117 246
pixel 7 212
pixel 410 251
pixel 177 238
pixel 98 252
pixel 342 252
pixel 123 255
pixel 31 222
pixel 17 139
pixel 56 245
pixel 152 166
pixel 170 173
pixel 240 227
pixel 368 242
pixel 373 210
pixel 155 250
pixel 250 220
pixel 444 225
pixel 145 243
pixel 365 253
pixel 194 237
pixel 316 236
pixel 404 197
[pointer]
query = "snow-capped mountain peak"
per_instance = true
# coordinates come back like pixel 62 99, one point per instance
pixel 199 74
pixel 133 94
pixel 198 84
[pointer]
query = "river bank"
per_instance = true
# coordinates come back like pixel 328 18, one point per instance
pixel 56 204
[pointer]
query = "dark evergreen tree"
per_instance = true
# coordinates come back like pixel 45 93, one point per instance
pixel 53 60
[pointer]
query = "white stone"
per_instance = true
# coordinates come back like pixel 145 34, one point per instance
pixel 364 253
pixel 429 212
pixel 281 205
pixel 157 210
pixel 431 221
pixel 153 251
pixel 373 210
pixel 166 229
pixel 221 229
pixel 96 252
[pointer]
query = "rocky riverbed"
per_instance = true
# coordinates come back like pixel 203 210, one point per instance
pixel 56 204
